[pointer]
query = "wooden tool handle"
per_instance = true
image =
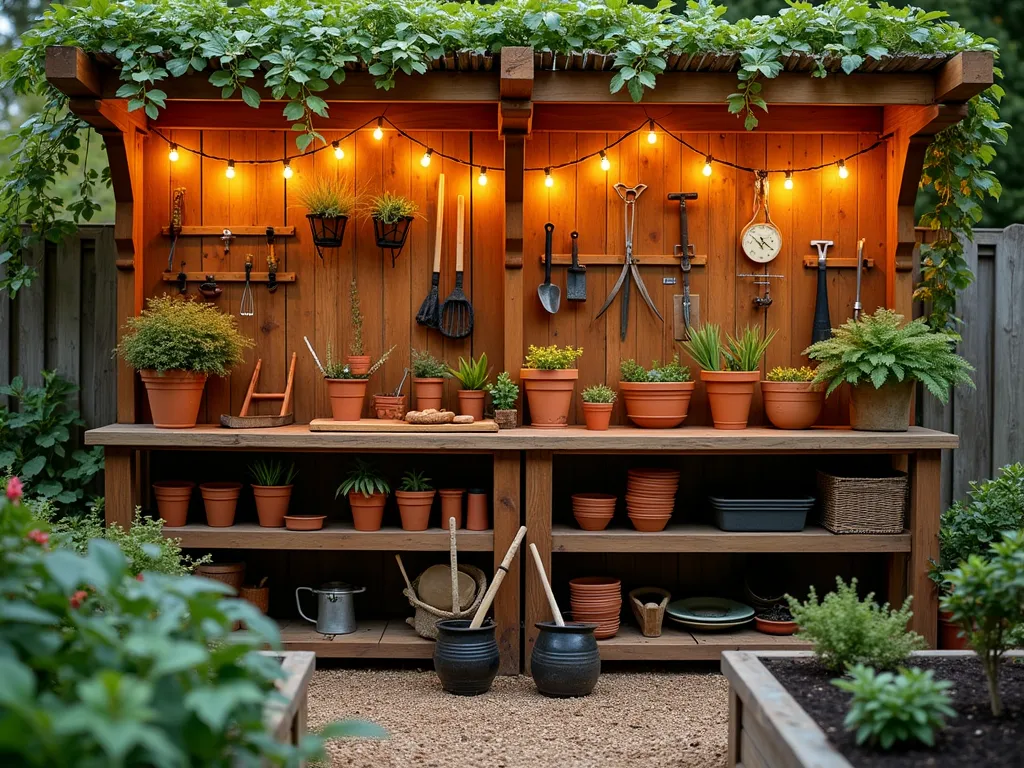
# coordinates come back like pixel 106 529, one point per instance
pixel 453 557
pixel 499 576
pixel 557 614
pixel 439 224
pixel 459 234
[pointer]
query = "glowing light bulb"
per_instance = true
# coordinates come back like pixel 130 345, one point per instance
pixel 482 178
pixel 339 153
pixel 605 163
pixel 707 166
pixel 172 155
pixel 288 172
pixel 788 183
pixel 425 160
pixel 843 170
pixel 378 132
pixel 549 180
pixel 652 137
pixel 230 170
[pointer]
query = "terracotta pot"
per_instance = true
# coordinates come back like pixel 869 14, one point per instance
pixel 367 511
pixel 598 415
pixel 451 506
pixel 304 522
pixel 414 508
pixel 656 405
pixel 595 584
pixel 232 574
pixel 774 627
pixel 272 504
pixel 881 410
pixel 220 500
pixel 174 397
pixel 506 419
pixel 428 393
pixel 792 404
pixel 172 500
pixel 476 510
pixel 592 523
pixel 730 393
pixel 549 394
pixel 258 596
pixel 359 365
pixel 389 406
pixel 649 524
pixel 949 639
pixel 471 403
pixel 347 397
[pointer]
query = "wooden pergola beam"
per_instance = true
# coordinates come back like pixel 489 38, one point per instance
pixel 73 72
pixel 964 76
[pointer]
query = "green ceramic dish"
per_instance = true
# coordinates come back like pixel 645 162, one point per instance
pixel 709 610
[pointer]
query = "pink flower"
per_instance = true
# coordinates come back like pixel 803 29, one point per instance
pixel 14 490
pixel 78 598
pixel 39 537
pixel 138 577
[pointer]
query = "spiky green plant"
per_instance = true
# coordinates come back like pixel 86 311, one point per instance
pixel 599 393
pixel 273 473
pixel 415 480
pixel 705 347
pixel 391 208
pixel 472 374
pixel 363 478
pixel 328 196
pixel 745 353
pixel 880 349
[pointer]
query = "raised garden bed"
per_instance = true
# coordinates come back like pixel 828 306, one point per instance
pixel 285 718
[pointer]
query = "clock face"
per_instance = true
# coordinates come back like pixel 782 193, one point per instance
pixel 762 243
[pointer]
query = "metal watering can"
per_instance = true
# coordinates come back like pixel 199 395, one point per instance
pixel 335 609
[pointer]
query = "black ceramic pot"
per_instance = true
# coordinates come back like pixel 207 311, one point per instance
pixel 565 660
pixel 466 660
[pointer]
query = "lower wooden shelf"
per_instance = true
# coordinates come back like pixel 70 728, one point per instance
pixel 332 536
pixel 679 645
pixel 378 639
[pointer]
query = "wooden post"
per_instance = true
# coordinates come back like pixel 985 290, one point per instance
pixel 925 508
pixel 506 525
pixel 118 485
pixel 538 531
pixel 735 722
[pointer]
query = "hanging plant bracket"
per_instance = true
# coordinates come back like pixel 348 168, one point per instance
pixel 392 236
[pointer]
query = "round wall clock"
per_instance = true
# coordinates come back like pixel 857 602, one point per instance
pixel 761 240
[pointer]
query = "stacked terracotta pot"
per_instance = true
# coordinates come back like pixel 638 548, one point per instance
pixel 651 497
pixel 597 600
pixel 593 511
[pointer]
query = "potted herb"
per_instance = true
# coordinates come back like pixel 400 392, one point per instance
pixel 329 201
pixel 549 376
pixel 347 390
pixel 367 492
pixel 415 496
pixel 791 399
pixel 358 360
pixel 428 375
pixel 881 359
pixel 392 217
pixel 175 344
pixel 504 394
pixel 729 370
pixel 598 402
pixel 658 397
pixel 272 490
pixel 473 375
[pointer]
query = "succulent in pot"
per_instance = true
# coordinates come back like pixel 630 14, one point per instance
pixel 346 389
pixel 367 492
pixel 658 397
pixel 415 497
pixel 473 375
pixel 428 375
pixel 598 401
pixel 175 344
pixel 881 358
pixel 791 398
pixel 329 201
pixel 504 395
pixel 272 490
pixel 549 376
pixel 392 217
pixel 358 360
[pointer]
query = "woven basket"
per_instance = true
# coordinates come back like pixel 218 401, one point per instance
pixel 258 596
pixel 427 616
pixel 863 504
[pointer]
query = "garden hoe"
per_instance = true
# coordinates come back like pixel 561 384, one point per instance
pixel 430 310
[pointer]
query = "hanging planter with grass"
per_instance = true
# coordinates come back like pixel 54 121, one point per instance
pixel 330 201
pixel 392 217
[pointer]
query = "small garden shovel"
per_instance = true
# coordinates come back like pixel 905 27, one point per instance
pixel 576 277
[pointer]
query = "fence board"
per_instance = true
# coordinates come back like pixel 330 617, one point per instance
pixel 1008 348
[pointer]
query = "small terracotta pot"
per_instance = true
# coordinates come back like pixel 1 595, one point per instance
pixel 595 584
pixel 774 627
pixel 272 504
pixel 232 574
pixel 598 415
pixel 506 419
pixel 347 396
pixel 304 522
pixel 172 500
pixel 428 393
pixel 389 406
pixel 471 403
pixel 451 506
pixel 174 397
pixel 414 508
pixel 592 523
pixel 367 511
pixel 549 394
pixel 792 404
pixel 649 524
pixel 949 639
pixel 655 404
pixel 220 500
pixel 359 365
pixel 730 393
pixel 881 410
pixel 476 510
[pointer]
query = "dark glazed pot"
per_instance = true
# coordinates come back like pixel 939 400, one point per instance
pixel 466 660
pixel 565 660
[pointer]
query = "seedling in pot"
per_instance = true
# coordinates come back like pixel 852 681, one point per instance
pixel 472 374
pixel 504 392
pixel 363 479
pixel 414 480
pixel 426 366
pixel 269 472
pixel 599 393
pixel 335 369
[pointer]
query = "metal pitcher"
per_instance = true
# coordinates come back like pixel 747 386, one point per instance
pixel 335 610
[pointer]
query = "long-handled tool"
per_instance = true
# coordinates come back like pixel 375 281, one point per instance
pixel 555 613
pixel 822 323
pixel 550 295
pixel 430 310
pixel 246 308
pixel 576 277
pixel 860 267
pixel 499 576
pixel 457 312
pixel 177 212
pixel 684 251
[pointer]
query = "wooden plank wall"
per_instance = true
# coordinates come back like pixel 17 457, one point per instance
pixel 316 305
pixel 821 206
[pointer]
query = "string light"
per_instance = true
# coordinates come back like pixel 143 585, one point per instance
pixel 339 153
pixel 652 137
pixel 378 132
pixel 172 155
pixel 425 160
pixel 707 165
pixel 482 179
pixel 230 170
pixel 549 181
pixel 605 163
pixel 843 170
pixel 788 183
pixel 288 172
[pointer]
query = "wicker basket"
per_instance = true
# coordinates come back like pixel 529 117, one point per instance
pixel 258 596
pixel 863 504
pixel 427 616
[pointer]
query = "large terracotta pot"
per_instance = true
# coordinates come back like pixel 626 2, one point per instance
pixel 471 403
pixel 174 397
pixel 220 500
pixel 656 404
pixel 730 393
pixel 172 500
pixel 272 504
pixel 359 365
pixel 451 506
pixel 949 639
pixel 549 394
pixel 886 409
pixel 367 511
pixel 598 415
pixel 414 508
pixel 347 396
pixel 792 404
pixel 428 393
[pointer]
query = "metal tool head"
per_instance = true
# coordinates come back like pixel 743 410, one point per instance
pixel 822 246
pixel 576 276
pixel 550 295
pixel 682 196
pixel 629 194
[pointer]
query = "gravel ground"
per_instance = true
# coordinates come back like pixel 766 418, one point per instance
pixel 632 718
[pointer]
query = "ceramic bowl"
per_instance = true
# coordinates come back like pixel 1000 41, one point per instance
pixel 774 627
pixel 304 522
pixel 649 525
pixel 595 584
pixel 593 523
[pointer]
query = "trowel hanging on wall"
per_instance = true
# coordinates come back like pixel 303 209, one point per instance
pixel 576 277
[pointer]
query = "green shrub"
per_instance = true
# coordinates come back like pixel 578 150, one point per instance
pixel 504 392
pixel 327 196
pixel 415 480
pixel 364 479
pixel 552 358
pixel 426 366
pixel 845 630
pixel 782 373
pixel 472 374
pixel 391 208
pixel 894 708
pixel 631 371
pixel 180 334
pixel 598 393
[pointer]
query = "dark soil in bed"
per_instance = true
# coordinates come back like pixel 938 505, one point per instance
pixel 973 739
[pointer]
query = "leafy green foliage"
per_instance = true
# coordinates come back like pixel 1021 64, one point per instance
pixel 630 370
pixel 355 346
pixel 598 393
pixel 472 374
pixel 782 373
pixel 36 438
pixel 745 353
pixel 364 479
pixel 181 334
pixel 327 196
pixel 415 480
pixel 426 366
pixel 504 392
pixel 271 472
pixel 986 599
pixel 552 358
pixel 391 208
pixel 894 708
pixel 845 630
pixel 705 347
pixel 881 349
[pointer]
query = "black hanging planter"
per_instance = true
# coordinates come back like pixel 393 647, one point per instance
pixel 328 231
pixel 392 236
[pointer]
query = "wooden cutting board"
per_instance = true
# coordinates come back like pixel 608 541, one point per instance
pixel 394 425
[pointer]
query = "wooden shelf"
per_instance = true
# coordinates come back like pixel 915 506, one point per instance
pixel 676 644
pixel 376 639
pixel 237 231
pixel 690 537
pixel 332 537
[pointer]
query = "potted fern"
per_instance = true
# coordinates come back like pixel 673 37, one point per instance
pixel 658 397
pixel 729 370
pixel 504 394
pixel 473 375
pixel 358 360
pixel 329 201
pixel 367 492
pixel 346 389
pixel 392 217
pixel 549 376
pixel 881 358
pixel 272 490
pixel 415 496
pixel 428 375
pixel 791 398
pixel 598 402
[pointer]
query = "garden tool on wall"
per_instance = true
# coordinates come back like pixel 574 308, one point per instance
pixel 247 308
pixel 576 277
pixel 209 288
pixel 457 311
pixel 629 267
pixel 430 310
pixel 822 328
pixel 226 238
pixel 550 295
pixel 182 280
pixel 684 251
pixel 860 268
pixel 177 211
pixel 271 262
